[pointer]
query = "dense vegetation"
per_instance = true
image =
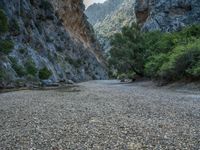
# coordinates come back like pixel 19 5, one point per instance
pixel 3 22
pixel 6 46
pixel 44 73
pixel 157 55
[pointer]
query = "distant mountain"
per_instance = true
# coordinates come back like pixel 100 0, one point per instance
pixel 98 11
pixel 122 16
pixel 109 17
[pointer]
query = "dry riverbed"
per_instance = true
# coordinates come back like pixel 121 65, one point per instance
pixel 100 115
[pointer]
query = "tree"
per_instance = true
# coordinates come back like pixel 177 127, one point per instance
pixel 127 52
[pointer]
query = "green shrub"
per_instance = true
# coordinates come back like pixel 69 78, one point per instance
pixel 122 76
pixel 3 22
pixel 154 63
pixel 2 74
pixel 75 62
pixel 195 70
pixel 168 56
pixel 22 50
pixel 46 5
pixel 191 31
pixel 18 68
pixel 31 68
pixel 14 27
pixel 44 73
pixel 30 77
pixel 180 60
pixel 6 46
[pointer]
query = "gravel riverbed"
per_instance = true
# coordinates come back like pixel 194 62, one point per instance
pixel 100 115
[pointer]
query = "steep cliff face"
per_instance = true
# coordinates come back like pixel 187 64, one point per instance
pixel 75 21
pixel 167 15
pixel 48 40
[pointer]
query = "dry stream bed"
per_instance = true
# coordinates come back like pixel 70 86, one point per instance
pixel 100 115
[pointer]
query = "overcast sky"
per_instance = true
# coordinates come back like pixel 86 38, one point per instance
pixel 89 2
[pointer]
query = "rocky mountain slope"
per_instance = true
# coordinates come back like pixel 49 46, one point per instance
pixel 47 40
pixel 113 22
pixel 98 11
pixel 161 15
pixel 121 13
pixel 167 15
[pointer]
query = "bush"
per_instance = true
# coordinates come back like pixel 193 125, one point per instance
pixel 180 60
pixel 46 5
pixel 191 31
pixel 22 50
pixel 154 63
pixel 2 74
pixel 6 46
pixel 194 70
pixel 3 22
pixel 14 27
pixel 75 62
pixel 31 68
pixel 18 69
pixel 44 73
pixel 168 56
pixel 121 76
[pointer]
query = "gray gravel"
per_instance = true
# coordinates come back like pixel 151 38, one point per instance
pixel 100 115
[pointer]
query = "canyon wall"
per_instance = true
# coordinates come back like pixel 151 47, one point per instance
pixel 50 35
pixel 167 15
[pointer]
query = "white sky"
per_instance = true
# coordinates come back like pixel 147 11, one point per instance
pixel 89 2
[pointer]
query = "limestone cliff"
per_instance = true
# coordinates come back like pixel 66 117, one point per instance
pixel 167 15
pixel 48 35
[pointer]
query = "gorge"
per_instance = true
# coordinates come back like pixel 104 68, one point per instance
pixel 47 40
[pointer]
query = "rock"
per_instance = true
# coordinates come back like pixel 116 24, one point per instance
pixel 48 83
pixel 166 15
pixel 70 82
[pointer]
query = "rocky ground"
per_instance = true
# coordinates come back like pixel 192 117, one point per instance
pixel 100 115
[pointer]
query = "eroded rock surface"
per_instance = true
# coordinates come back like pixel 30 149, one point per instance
pixel 50 33
pixel 167 15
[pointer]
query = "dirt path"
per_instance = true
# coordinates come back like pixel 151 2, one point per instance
pixel 100 115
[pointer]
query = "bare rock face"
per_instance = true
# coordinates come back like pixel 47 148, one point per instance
pixel 52 34
pixel 75 21
pixel 167 15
